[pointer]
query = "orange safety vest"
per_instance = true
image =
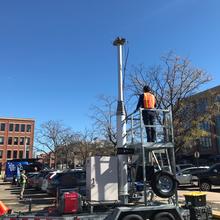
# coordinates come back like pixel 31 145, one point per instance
pixel 149 100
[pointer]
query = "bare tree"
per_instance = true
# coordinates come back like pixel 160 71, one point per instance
pixel 66 152
pixel 175 80
pixel 50 136
pixel 104 116
pixel 87 146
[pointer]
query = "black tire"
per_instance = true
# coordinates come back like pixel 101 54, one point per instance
pixel 205 186
pixel 132 217
pixel 160 189
pixel 164 216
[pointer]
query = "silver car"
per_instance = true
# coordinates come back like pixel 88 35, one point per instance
pixel 194 170
pixel 183 177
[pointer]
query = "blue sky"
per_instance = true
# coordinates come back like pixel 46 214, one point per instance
pixel 56 57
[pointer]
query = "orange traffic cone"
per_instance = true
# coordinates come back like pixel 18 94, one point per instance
pixel 3 208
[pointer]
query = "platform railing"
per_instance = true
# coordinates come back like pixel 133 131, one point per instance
pixel 153 152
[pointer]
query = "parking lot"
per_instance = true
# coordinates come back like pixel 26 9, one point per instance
pixel 41 201
pixel 9 195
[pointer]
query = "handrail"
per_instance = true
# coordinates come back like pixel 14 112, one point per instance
pixel 163 123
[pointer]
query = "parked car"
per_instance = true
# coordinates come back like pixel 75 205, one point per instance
pixel 182 178
pixel 184 166
pixel 39 179
pixel 209 177
pixel 30 178
pixel 214 159
pixel 68 179
pixel 47 179
pixel 195 170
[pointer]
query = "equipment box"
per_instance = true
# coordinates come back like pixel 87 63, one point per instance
pixel 102 179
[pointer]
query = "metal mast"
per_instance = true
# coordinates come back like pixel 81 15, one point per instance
pixel 121 128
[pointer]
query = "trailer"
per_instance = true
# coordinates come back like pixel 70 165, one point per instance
pixel 159 182
pixel 107 182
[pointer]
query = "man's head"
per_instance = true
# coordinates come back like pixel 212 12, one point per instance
pixel 23 171
pixel 146 89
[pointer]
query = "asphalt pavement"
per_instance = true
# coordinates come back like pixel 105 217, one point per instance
pixel 9 195
pixel 40 201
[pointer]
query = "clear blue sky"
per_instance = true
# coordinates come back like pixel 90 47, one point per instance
pixel 56 57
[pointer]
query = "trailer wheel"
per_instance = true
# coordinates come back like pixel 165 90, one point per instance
pixel 164 184
pixel 132 217
pixel 164 216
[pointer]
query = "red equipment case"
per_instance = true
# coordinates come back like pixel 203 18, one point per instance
pixel 70 202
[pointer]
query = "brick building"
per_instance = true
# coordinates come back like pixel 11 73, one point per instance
pixel 47 159
pixel 208 146
pixel 16 138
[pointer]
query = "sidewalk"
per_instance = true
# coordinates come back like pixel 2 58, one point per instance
pixel 9 195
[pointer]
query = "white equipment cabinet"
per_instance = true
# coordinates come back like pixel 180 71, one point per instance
pixel 102 179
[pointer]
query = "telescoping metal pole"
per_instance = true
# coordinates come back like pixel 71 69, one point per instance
pixel 121 128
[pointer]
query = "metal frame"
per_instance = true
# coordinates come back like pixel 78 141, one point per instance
pixel 147 149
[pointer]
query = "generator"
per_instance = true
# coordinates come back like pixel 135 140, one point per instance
pixel 200 213
pixel 198 208
pixel 70 202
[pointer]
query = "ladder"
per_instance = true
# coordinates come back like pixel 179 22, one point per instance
pixel 158 153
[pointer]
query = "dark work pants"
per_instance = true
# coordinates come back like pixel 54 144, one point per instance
pixel 149 119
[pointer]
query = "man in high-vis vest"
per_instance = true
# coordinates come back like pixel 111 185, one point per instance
pixel 23 180
pixel 147 101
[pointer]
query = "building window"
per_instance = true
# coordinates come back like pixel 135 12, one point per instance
pixel 1 154
pixel 21 140
pixel 27 154
pixel 22 128
pixel 28 128
pixel 8 154
pixel 2 127
pixel 28 141
pixel 9 140
pixel 205 142
pixel 15 154
pixel 11 127
pixel 15 140
pixel 217 98
pixel 1 140
pixel 205 126
pixel 17 127
pixel 202 105
pixel 20 154
pixel 218 131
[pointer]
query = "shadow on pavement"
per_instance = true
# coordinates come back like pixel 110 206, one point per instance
pixel 36 196
pixel 4 183
pixel 50 201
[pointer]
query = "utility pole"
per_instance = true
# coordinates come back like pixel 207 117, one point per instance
pixel 121 128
